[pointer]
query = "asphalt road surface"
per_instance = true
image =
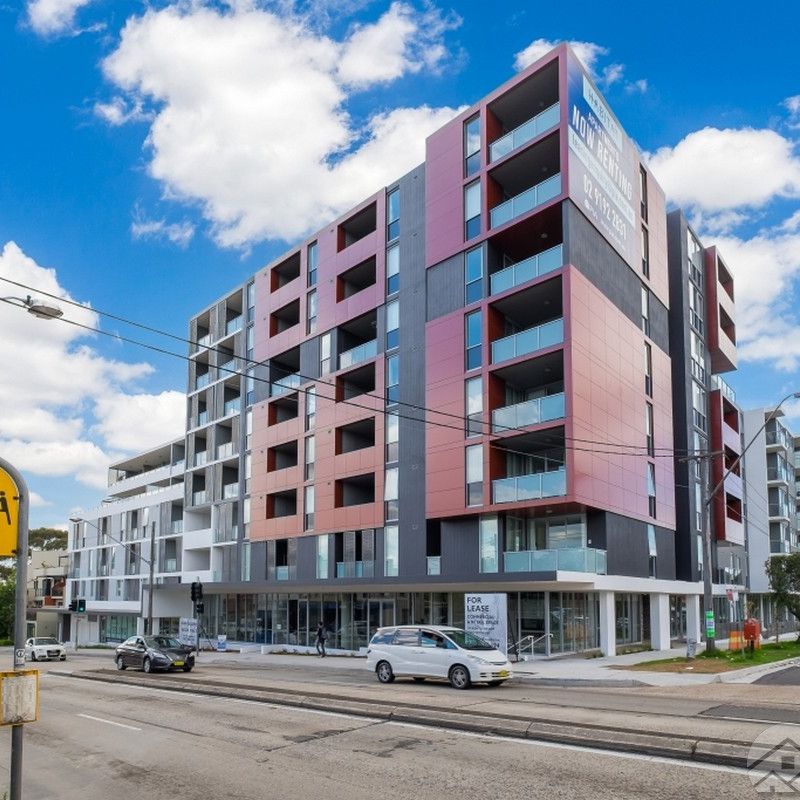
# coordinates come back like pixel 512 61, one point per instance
pixel 97 741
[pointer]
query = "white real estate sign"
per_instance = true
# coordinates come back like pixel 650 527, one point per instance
pixel 486 616
pixel 187 631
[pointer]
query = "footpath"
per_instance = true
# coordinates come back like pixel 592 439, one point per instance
pixel 570 701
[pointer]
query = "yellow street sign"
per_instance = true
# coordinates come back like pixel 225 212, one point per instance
pixel 9 515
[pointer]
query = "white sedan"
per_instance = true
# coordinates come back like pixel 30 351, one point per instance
pixel 44 648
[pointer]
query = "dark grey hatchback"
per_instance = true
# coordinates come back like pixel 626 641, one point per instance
pixel 151 653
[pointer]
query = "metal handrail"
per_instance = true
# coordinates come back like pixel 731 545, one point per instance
pixel 530 641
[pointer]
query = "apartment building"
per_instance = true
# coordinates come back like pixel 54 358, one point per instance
pixel 472 381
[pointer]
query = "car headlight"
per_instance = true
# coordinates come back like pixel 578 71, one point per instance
pixel 480 660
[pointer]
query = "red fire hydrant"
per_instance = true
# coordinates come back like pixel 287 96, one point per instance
pixel 752 633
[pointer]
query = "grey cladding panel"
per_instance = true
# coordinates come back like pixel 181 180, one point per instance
pixel 445 287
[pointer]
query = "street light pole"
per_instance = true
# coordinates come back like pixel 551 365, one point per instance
pixel 708 597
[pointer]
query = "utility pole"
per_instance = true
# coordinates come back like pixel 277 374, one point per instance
pixel 152 578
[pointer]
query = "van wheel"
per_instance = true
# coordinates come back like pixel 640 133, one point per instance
pixel 459 677
pixel 384 672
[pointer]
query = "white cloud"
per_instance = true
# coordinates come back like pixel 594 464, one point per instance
pixel 179 233
pixel 587 52
pixel 119 111
pixel 718 170
pixel 139 421
pixel 792 105
pixel 83 460
pixel 251 116
pixel 54 17
pixel 37 501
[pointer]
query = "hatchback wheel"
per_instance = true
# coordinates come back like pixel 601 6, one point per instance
pixel 147 665
pixel 33 655
pixel 459 677
pixel 187 668
pixel 384 672
pixel 120 663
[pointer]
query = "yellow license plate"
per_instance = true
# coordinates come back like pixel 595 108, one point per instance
pixel 503 673
pixel 178 663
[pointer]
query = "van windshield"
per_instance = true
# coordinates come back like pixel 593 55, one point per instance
pixel 469 641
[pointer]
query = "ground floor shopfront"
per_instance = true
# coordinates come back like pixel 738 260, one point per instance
pixel 539 622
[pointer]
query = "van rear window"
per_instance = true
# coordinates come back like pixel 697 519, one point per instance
pixel 407 636
pixel 384 637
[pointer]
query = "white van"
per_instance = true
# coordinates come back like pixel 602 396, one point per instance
pixel 436 651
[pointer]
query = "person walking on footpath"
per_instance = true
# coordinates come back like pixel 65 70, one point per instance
pixel 322 635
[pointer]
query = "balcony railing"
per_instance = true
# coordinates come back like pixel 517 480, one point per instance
pixel 227 368
pixel 202 380
pixel 201 458
pixel 233 325
pixel 527 270
pixel 574 559
pixel 524 133
pixel 204 341
pixel 202 418
pixel 434 565
pixel 529 341
pixel 349 569
pixel 530 487
pixel 226 450
pixel 230 491
pixel 232 406
pixel 526 201
pixel 226 535
pixel 358 354
pixel 176 526
pixel 282 573
pixel 170 565
pixel 199 497
pixel 284 385
pixel 531 412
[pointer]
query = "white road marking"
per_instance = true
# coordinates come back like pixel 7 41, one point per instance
pixel 109 722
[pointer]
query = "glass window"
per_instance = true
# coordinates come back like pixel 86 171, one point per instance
pixel 473 339
pixel 323 547
pixel 251 339
pixel 652 550
pixel 648 421
pixel 472 210
pixel 473 275
pixel 645 252
pixel 700 558
pixel 392 436
pixel 311 407
pixel 250 387
pixel 391 550
pixel 311 312
pixel 643 192
pixel 392 324
pixel 325 354
pixel 699 405
pixel 489 541
pixel 698 506
pixel 313 263
pixel 474 472
pixel 251 301
pixel 390 495
pixel 472 146
pixel 651 488
pixel 393 269
pixel 473 391
pixel 648 369
pixel 308 520
pixel 645 311
pixel 393 379
pixel 392 215
pixel 310 450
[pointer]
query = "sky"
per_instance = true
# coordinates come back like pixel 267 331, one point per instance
pixel 154 155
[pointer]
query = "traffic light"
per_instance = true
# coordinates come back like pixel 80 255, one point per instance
pixel 199 607
pixel 197 591
pixel 73 606
pixel 81 605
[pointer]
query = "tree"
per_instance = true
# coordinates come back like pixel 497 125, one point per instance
pixel 47 539
pixel 784 580
pixel 7 607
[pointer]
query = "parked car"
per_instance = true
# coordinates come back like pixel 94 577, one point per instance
pixel 151 653
pixel 44 648
pixel 436 651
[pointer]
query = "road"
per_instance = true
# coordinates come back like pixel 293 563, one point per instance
pixel 98 740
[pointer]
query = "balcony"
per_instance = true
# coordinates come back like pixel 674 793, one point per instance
pixel 525 133
pixel 577 559
pixel 531 412
pixel 530 487
pixel 233 325
pixel 223 535
pixel 226 450
pixel 201 459
pixel 198 498
pixel 232 406
pixel 202 380
pixel 531 198
pixel 230 491
pixel 170 565
pixel 434 565
pixel 527 270
pixel 350 569
pixel 204 341
pixel 356 355
pixel 528 341
pixel 202 418
pixel 282 573
pixel 176 526
pixel 284 385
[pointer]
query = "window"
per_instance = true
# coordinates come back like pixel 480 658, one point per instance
pixel 393 269
pixel 393 379
pixel 391 550
pixel 699 406
pixel 473 339
pixel 251 301
pixel 645 311
pixel 323 548
pixel 651 489
pixel 390 495
pixel 392 215
pixel 392 324
pixel 472 210
pixel 698 506
pixel 472 146
pixel 652 550
pixel 473 275
pixel 648 369
pixel 698 357
pixel 308 518
pixel 392 436
pixel 700 558
pixel 474 475
pixel 310 450
pixel 313 263
pixel 488 544
pixel 643 192
pixel 473 400
pixel 695 253
pixel 311 407
pixel 311 312
pixel 251 340
pixel 250 387
pixel 695 308
pixel 244 571
pixel 648 421
pixel 325 354
pixel 645 253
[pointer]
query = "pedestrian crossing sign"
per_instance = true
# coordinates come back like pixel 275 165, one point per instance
pixel 9 515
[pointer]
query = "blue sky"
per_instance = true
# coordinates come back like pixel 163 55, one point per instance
pixel 144 170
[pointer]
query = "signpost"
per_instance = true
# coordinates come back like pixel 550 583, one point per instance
pixel 485 615
pixel 711 630
pixel 187 631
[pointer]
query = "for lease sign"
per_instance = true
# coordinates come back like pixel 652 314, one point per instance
pixel 486 616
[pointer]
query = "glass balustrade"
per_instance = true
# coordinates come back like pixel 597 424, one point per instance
pixel 524 133
pixel 525 201
pixel 202 380
pixel 358 354
pixel 531 412
pixel 225 450
pixel 527 270
pixel 233 325
pixel 202 418
pixel 200 459
pixel 282 573
pixel 198 497
pixel 574 559
pixel 434 565
pixel 529 341
pixel 530 487
pixel 176 526
pixel 284 385
pixel 170 565
pixel 230 491
pixel 232 406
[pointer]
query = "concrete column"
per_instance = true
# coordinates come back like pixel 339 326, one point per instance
pixel 659 621
pixel 693 629
pixel 608 624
